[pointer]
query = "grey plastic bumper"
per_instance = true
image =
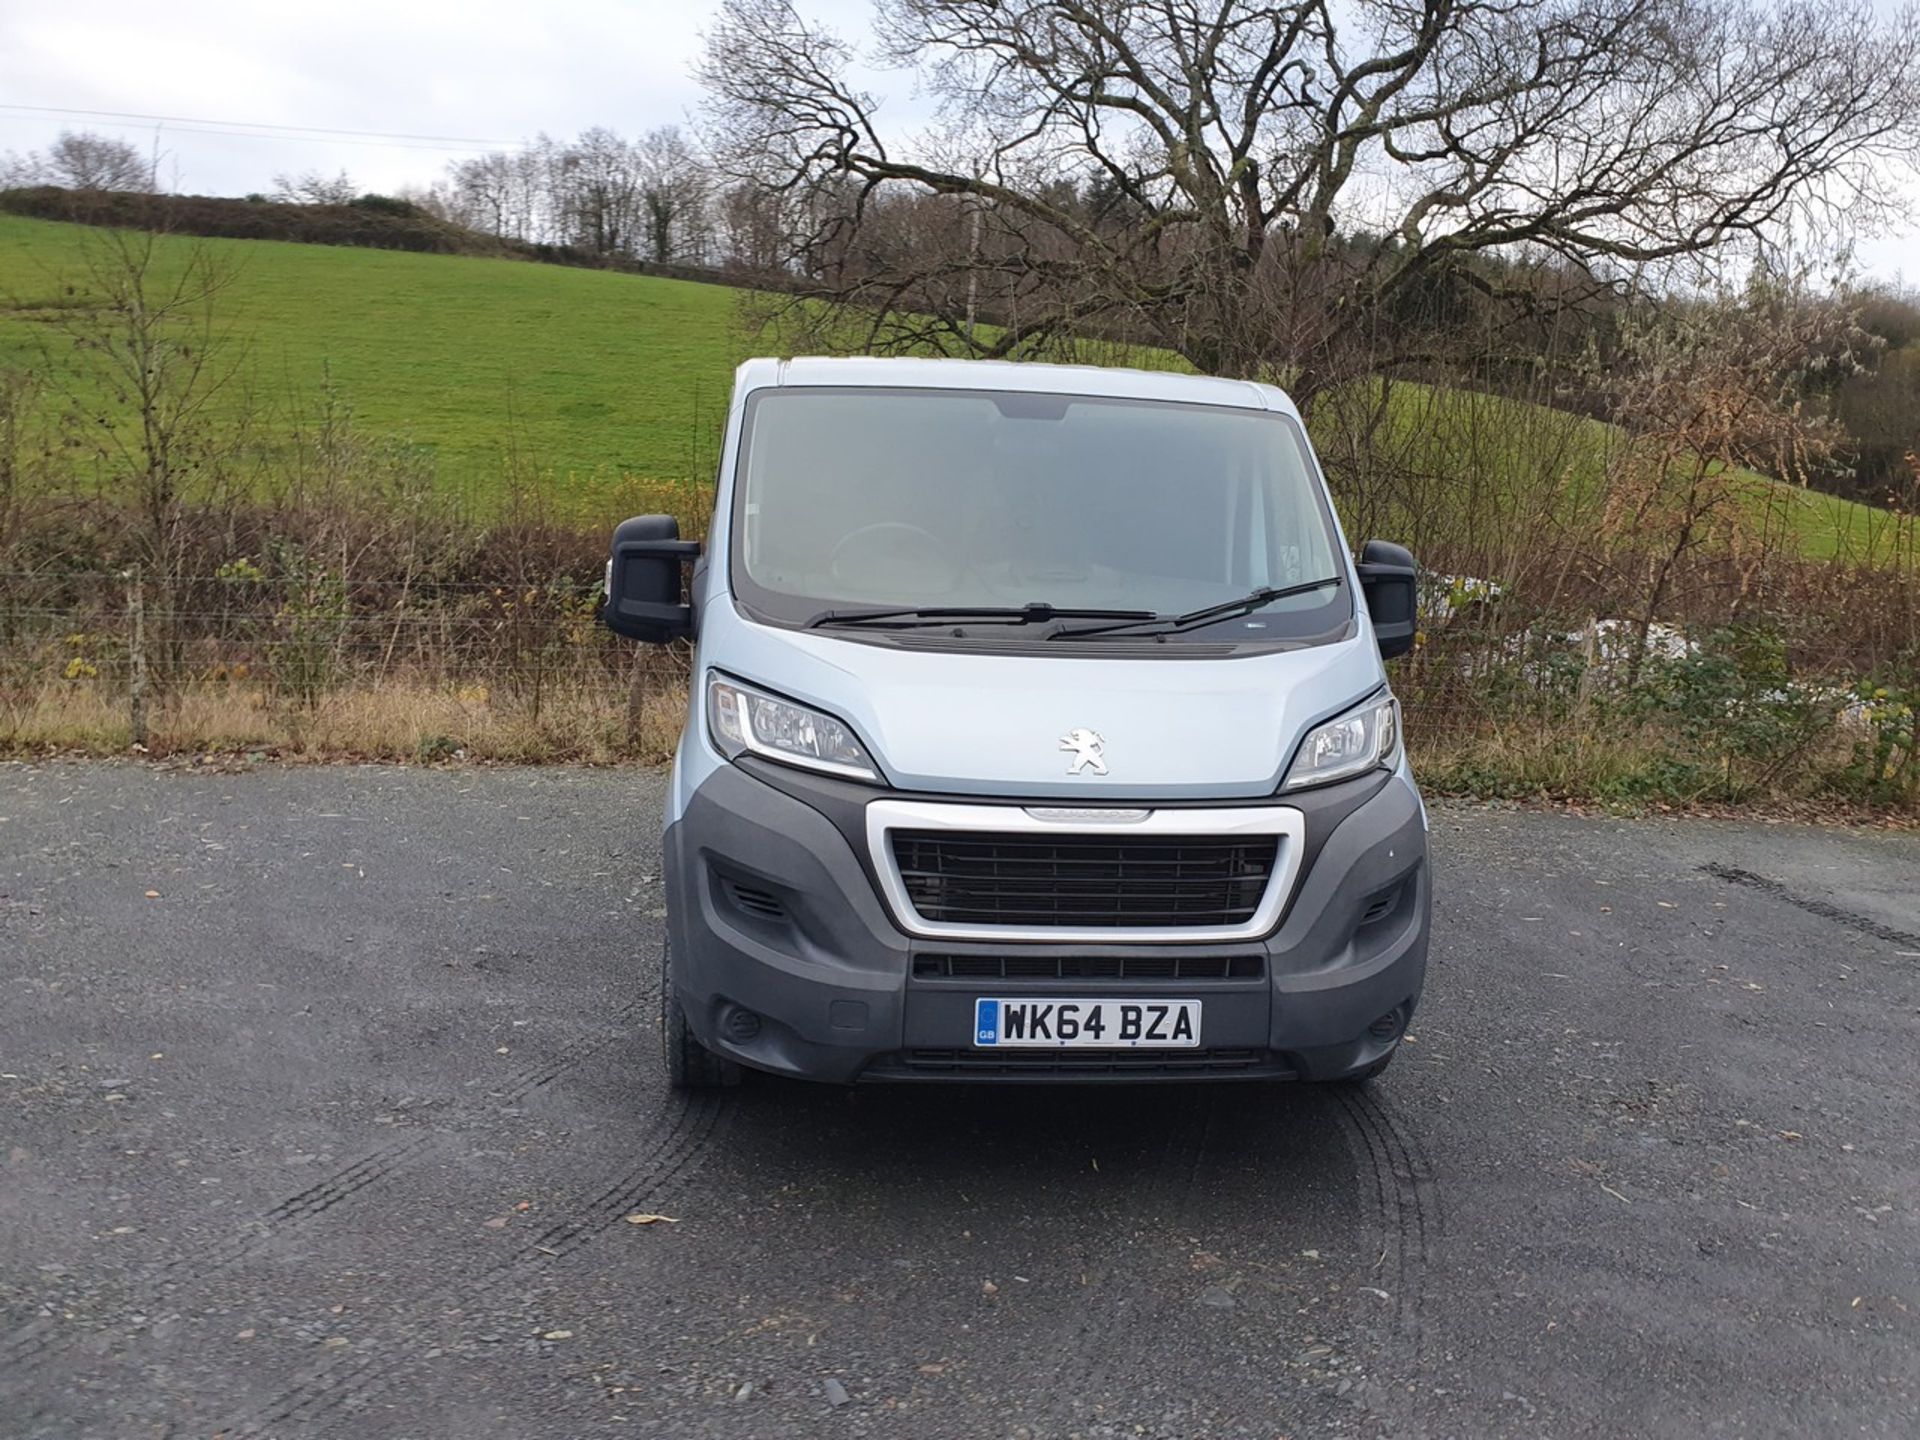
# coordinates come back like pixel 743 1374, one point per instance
pixel 787 960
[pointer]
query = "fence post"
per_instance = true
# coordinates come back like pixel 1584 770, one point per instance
pixel 137 662
pixel 637 697
pixel 1590 654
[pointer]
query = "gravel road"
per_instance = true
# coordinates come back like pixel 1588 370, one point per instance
pixel 327 1096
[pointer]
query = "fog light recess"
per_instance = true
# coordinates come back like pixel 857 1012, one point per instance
pixel 740 1025
pixel 1389 1025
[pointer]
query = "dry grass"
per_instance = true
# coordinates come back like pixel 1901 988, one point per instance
pixel 1535 761
pixel 1620 767
pixel 397 721
pixel 1635 769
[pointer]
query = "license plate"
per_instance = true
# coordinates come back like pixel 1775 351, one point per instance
pixel 1086 1024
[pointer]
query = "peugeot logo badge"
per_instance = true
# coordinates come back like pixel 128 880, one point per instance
pixel 1089 752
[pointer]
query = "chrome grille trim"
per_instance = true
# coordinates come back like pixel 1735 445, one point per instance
pixel 1283 822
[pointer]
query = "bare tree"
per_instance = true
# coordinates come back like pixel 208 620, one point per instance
pixel 673 186
pixel 155 382
pixel 17 169
pixel 1252 184
pixel 480 192
pixel 161 351
pixel 24 452
pixel 1708 393
pixel 311 187
pixel 536 191
pixel 82 160
pixel 750 228
pixel 600 178
pixel 600 192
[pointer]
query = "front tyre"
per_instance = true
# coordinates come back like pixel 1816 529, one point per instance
pixel 690 1065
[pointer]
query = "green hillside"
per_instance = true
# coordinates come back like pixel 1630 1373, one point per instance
pixel 1491 449
pixel 583 377
pixel 582 374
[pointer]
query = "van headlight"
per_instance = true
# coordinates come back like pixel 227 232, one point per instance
pixel 1364 738
pixel 743 719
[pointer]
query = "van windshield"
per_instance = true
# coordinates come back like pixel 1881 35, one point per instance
pixel 856 501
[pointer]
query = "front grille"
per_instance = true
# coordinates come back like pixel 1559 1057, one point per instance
pixel 1092 881
pixel 1089 967
pixel 1078 1064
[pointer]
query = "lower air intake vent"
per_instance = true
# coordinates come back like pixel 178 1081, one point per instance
pixel 1381 906
pixel 754 900
pixel 1182 968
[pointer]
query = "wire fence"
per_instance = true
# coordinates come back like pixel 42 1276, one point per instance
pixel 426 667
pixel 246 657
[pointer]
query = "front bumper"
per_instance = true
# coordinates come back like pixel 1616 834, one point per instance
pixel 787 959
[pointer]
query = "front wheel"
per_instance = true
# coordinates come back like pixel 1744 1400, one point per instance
pixel 690 1065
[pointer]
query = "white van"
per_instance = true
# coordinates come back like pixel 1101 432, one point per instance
pixel 1039 731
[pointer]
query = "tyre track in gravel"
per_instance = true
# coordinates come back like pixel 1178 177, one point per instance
pixel 1824 909
pixel 1389 1157
pixel 33 1343
pixel 1398 1223
pixel 524 1082
pixel 676 1147
pixel 1110 1332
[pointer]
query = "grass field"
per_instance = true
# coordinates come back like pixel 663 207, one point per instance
pixel 1510 445
pixel 581 377
pixel 582 374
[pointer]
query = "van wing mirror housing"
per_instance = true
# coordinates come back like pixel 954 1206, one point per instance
pixel 643 580
pixel 1389 579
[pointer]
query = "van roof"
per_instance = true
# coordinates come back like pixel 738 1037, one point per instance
pixel 1112 382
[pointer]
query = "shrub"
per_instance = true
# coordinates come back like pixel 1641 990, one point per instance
pixel 1884 764
pixel 434 748
pixel 1734 699
pixel 388 205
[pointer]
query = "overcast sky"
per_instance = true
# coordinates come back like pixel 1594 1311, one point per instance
pixel 489 70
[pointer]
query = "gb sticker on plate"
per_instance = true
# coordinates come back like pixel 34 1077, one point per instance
pixel 986 1022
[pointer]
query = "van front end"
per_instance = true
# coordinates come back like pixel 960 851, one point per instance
pixel 799 943
pixel 1038 732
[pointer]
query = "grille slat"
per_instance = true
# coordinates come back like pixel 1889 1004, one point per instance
pixel 956 877
pixel 1040 872
pixel 1183 968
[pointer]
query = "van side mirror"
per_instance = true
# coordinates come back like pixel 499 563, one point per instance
pixel 1389 579
pixel 643 580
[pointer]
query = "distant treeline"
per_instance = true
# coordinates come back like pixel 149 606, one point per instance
pixel 375 222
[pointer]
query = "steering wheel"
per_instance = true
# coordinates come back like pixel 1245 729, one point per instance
pixel 917 555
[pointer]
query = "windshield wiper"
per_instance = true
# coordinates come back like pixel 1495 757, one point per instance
pixel 1037 613
pixel 1167 624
